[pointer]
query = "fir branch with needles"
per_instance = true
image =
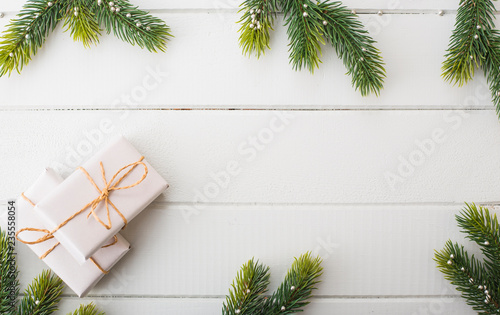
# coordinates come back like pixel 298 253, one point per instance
pixel 305 32
pixel 477 280
pixel 132 25
pixel 81 23
pixel 310 26
pixel 83 19
pixel 296 290
pixel 27 33
pixel 248 289
pixel 42 296
pixel 246 295
pixel 89 309
pixel 9 284
pixel 474 43
pixel 354 46
pixel 256 24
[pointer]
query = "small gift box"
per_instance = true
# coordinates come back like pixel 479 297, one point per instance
pixel 100 198
pixel 80 278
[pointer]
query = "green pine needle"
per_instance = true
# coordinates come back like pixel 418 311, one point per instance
pixel 134 26
pixel 468 46
pixel 247 290
pixel 9 285
pixel 83 18
pixel 247 294
pixel 256 23
pixel 355 47
pixel 475 43
pixel 42 295
pixel 310 26
pixel 27 33
pixel 478 281
pixel 295 291
pixel 89 309
pixel 81 22
pixel 305 34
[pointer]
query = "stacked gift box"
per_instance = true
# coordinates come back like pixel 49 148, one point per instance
pixel 73 225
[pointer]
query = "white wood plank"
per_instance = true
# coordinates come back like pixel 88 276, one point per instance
pixel 367 250
pixel 319 157
pixel 188 306
pixel 204 68
pixel 14 5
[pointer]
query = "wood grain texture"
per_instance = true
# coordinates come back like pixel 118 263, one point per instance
pixel 370 184
pixel 204 68
pixel 190 306
pixel 179 253
pixel 313 157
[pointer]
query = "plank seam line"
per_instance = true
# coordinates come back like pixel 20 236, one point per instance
pixel 319 297
pixel 320 204
pixel 250 108
pixel 359 11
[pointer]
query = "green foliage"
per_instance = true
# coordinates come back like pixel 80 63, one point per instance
pixel 9 285
pixel 310 26
pixel 83 18
pixel 256 23
pixel 89 309
pixel 296 289
pixel 40 298
pixel 247 293
pixel 478 281
pixel 247 290
pixel 132 25
pixel 355 47
pixel 42 295
pixel 305 33
pixel 27 33
pixel 81 22
pixel 474 43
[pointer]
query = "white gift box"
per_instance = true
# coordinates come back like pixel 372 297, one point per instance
pixel 80 278
pixel 83 234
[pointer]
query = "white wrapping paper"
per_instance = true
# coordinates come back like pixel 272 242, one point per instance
pixel 83 236
pixel 80 278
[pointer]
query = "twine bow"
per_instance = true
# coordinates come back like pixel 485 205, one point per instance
pixel 104 195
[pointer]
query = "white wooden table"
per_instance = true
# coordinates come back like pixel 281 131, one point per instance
pixel 370 184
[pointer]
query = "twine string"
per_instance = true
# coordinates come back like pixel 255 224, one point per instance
pixel 104 195
pixel 115 240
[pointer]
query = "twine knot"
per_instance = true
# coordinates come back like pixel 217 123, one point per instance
pixel 104 196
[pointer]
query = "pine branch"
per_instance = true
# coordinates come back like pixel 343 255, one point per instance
pixel 132 25
pixel 305 32
pixel 296 289
pixel 483 228
pixel 81 22
pixel 468 274
pixel 311 25
pixel 491 67
pixel 466 50
pixel 27 33
pixel 354 46
pixel 246 295
pixel 475 43
pixel 256 23
pixel 42 295
pixel 9 285
pixel 89 309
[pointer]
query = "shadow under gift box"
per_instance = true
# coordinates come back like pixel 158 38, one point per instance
pixel 83 236
pixel 79 278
